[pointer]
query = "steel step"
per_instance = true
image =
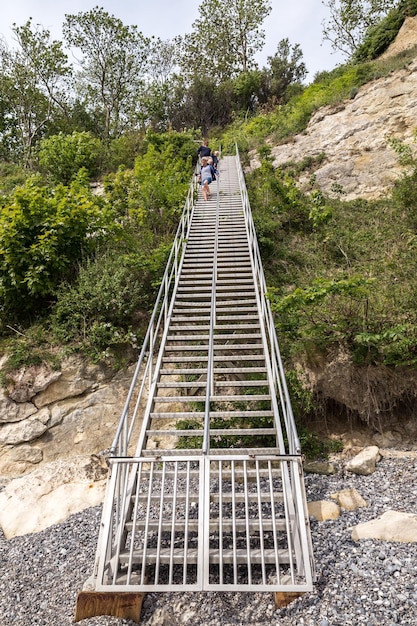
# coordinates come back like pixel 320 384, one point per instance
pixel 214 432
pixel 157 454
pixel 231 398
pixel 197 414
pixel 240 525
pixel 165 556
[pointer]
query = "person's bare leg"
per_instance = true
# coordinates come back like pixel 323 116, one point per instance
pixel 206 185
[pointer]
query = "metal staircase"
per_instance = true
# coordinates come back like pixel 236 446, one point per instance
pixel 209 493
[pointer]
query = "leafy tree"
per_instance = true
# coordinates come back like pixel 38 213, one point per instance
pixel 238 36
pixel 113 64
pixel 163 59
pixel 44 231
pixel 286 68
pixel 32 84
pixel 382 34
pixel 152 195
pixel 246 88
pixel 350 20
pixel 63 155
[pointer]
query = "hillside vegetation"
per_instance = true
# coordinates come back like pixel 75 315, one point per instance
pixel 79 267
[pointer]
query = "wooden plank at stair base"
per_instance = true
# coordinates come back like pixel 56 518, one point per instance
pixel 283 598
pixel 118 604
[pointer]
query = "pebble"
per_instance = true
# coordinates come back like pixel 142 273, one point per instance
pixel 366 583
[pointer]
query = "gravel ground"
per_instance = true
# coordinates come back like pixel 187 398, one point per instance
pixel 369 583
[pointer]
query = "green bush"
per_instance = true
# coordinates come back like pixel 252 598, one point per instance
pixel 62 156
pixel 44 232
pixel 11 175
pixel 379 37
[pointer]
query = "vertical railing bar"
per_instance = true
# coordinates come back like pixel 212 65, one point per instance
pixel 234 523
pixel 186 516
pixel 203 512
pixel 120 520
pixel 147 516
pixel 160 521
pixel 134 518
pixel 104 548
pixel 285 479
pixel 305 540
pixel 261 526
pixel 274 522
pixel 220 522
pixel 173 519
pixel 248 548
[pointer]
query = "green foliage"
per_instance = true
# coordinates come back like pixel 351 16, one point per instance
pixel 325 313
pixel 122 151
pixel 180 145
pixel 44 231
pixel 350 20
pixel 112 66
pixel 302 401
pixel 238 36
pixel 286 70
pixel 106 306
pixel 380 35
pixel 405 188
pixel 314 446
pixel 32 80
pixel 11 176
pixel 62 156
pixel 396 346
pixel 163 180
pixel 29 349
pixel 320 212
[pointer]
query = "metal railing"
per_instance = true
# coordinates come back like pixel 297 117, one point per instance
pixel 158 321
pixel 285 415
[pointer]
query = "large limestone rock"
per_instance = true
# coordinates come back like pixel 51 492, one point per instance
pixel 323 510
pixel 26 430
pixel 51 493
pixel 28 382
pixel 11 411
pixel 76 414
pixel 325 468
pixel 365 462
pixel 349 499
pixel 391 526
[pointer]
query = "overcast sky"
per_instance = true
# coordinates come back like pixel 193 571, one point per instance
pixel 298 20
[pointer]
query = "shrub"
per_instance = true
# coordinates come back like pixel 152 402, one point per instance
pixel 62 156
pixel 44 232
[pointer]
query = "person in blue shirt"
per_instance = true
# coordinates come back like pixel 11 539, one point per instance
pixel 207 176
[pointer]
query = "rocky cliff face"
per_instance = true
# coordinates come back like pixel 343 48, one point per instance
pixel 353 135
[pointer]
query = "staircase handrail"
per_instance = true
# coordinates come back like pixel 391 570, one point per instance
pixel 157 322
pixel 266 312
